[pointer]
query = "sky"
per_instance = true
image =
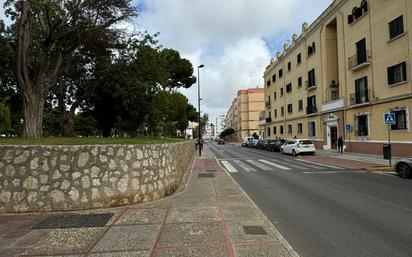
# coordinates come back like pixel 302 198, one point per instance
pixel 233 39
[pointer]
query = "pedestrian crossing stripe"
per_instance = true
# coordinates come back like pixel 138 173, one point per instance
pixel 229 167
pixel 321 164
pixel 275 165
pixel 244 166
pixel 259 165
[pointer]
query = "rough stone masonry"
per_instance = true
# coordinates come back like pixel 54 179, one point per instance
pixel 61 178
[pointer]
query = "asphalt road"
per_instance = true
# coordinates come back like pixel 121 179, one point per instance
pixel 324 211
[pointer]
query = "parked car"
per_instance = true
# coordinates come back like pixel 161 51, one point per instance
pixel 252 143
pixel 278 144
pixel 245 141
pixel 221 141
pixel 404 168
pixel 270 145
pixel 261 144
pixel 298 146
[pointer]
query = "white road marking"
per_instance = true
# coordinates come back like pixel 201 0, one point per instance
pixel 321 164
pixel 229 167
pixel 295 165
pixel 244 166
pixel 322 172
pixel 258 164
pixel 275 165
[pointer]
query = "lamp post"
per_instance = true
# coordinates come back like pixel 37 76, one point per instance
pixel 198 104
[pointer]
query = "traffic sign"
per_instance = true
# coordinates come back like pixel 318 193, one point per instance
pixel 389 119
pixel 348 127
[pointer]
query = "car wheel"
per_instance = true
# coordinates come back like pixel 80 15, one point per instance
pixel 403 170
pixel 294 153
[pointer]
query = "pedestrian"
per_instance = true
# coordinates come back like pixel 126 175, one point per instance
pixel 340 145
pixel 295 137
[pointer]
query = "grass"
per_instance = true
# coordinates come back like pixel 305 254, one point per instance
pixel 86 141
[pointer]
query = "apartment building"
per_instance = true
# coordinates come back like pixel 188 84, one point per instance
pixel 341 74
pixel 243 113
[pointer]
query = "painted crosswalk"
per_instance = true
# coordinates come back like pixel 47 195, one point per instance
pixel 236 165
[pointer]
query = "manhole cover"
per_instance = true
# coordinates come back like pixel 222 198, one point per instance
pixel 74 221
pixel 206 175
pixel 254 230
pixel 211 170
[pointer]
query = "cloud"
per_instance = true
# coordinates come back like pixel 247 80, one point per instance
pixel 234 39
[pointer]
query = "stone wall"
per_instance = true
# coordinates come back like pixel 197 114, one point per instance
pixel 56 178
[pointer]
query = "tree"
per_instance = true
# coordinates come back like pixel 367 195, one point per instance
pixel 255 136
pixel 227 132
pixel 5 121
pixel 46 33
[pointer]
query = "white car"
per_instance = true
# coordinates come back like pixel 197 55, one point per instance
pixel 246 140
pixel 298 146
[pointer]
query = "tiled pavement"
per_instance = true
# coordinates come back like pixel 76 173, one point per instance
pixel 207 218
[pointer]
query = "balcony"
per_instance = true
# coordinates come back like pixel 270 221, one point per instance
pixel 332 105
pixel 267 104
pixel 311 109
pixel 360 97
pixel 310 84
pixel 269 120
pixel 359 61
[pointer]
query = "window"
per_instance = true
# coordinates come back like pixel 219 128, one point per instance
pixel 361 51
pixel 290 108
pixel 274 95
pixel 281 130
pixel 289 66
pixel 300 128
pixel 311 78
pixel 299 81
pixel 280 73
pixel 299 58
pixel 300 105
pixel 282 111
pixel 268 131
pixel 290 129
pixel 268 83
pixel 281 91
pixel 289 88
pixel 311 49
pixel 397 73
pixel 311 108
pixel 396 27
pixel 401 120
pixel 274 131
pixel 270 115
pixel 361 91
pixel 362 125
pixel 274 78
pixel 358 12
pixel 276 113
pixel 312 129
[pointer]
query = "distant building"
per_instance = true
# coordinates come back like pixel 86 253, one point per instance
pixel 243 114
pixel 341 74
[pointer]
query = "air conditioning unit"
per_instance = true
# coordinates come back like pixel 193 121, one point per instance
pixel 333 82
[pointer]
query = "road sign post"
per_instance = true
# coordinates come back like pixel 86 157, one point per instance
pixel 389 119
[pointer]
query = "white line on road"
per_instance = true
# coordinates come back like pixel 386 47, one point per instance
pixel 258 164
pixel 321 164
pixel 229 167
pixel 275 165
pixel 322 172
pixel 244 166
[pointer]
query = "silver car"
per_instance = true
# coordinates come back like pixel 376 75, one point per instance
pixel 404 168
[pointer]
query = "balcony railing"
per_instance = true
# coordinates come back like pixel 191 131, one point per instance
pixel 311 109
pixel 267 104
pixel 269 120
pixel 310 84
pixel 360 97
pixel 358 61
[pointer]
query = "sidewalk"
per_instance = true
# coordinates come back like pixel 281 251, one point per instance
pixel 350 160
pixel 210 217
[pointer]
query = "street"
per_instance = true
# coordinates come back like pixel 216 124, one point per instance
pixel 323 210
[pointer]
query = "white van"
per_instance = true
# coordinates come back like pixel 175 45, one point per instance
pixel 246 140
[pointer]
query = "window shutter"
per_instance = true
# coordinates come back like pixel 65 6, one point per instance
pixel 404 78
pixel 391 75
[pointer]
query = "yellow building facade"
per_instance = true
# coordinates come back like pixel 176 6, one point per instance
pixel 341 75
pixel 243 113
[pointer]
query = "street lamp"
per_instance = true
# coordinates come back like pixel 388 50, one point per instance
pixel 198 102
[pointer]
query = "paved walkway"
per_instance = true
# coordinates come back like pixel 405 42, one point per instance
pixel 210 217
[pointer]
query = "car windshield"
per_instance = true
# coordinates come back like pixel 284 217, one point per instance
pixel 305 142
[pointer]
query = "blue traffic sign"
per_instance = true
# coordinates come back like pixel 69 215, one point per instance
pixel 389 119
pixel 348 127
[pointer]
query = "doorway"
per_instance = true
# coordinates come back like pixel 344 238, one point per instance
pixel 334 137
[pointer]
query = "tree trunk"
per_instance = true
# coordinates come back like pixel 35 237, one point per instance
pixel 33 115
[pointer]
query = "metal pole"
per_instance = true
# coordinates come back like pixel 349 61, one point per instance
pixel 198 104
pixel 389 144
